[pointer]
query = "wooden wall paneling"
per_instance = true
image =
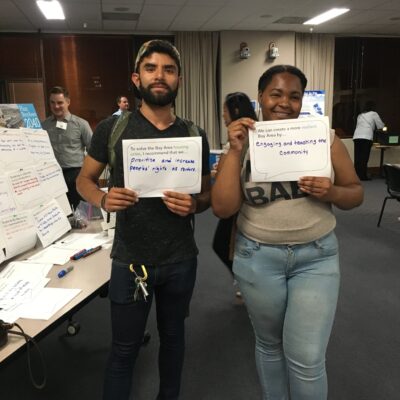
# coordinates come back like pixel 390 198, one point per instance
pixel 20 57
pixel 95 70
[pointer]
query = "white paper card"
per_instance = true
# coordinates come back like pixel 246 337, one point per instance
pixel 50 221
pixel 285 150
pixel 154 165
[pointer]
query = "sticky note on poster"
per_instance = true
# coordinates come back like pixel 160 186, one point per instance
pixel 285 150
pixel 152 166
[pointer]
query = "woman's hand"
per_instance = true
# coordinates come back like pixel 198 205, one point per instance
pixel 315 186
pixel 238 132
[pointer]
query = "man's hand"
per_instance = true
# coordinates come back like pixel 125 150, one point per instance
pixel 119 199
pixel 179 203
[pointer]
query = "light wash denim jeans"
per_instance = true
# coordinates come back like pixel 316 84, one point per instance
pixel 291 294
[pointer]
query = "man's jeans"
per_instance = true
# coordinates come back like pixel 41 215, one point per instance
pixel 291 295
pixel 172 285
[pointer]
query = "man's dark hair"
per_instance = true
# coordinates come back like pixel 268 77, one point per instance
pixel 158 46
pixel 59 90
pixel 120 97
pixel 239 105
pixel 370 105
pixel 267 76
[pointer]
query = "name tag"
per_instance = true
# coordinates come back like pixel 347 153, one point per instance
pixel 61 125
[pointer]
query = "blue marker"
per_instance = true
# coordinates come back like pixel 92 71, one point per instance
pixel 65 271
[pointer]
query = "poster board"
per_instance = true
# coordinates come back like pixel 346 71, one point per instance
pixel 32 186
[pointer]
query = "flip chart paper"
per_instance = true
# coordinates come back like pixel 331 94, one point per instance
pixel 18 232
pixel 14 152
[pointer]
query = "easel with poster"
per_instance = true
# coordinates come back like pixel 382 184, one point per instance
pixel 33 202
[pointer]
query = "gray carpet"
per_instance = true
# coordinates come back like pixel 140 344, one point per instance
pixel 363 358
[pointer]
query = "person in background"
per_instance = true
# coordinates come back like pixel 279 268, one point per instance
pixel 367 122
pixel 286 252
pixel 154 237
pixel 70 138
pixel 236 105
pixel 123 105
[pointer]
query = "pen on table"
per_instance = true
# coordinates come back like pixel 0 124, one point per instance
pixel 91 251
pixel 65 271
pixel 78 255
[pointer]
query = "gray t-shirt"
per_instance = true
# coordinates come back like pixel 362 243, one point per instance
pixel 279 213
pixel 69 144
pixel 147 233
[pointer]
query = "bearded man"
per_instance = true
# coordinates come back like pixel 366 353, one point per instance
pixel 154 236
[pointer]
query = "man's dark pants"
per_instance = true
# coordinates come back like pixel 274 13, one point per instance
pixel 172 285
pixel 70 175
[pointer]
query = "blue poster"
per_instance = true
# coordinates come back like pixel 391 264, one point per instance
pixel 29 116
pixel 19 116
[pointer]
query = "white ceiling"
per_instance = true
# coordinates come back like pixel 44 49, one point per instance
pixel 376 17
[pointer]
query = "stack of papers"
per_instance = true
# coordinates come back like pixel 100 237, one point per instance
pixel 23 293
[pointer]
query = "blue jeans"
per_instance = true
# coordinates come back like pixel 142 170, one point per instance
pixel 172 285
pixel 291 295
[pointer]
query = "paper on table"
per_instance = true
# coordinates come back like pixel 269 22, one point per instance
pixel 25 269
pixel 20 290
pixel 61 251
pixel 78 241
pixel 52 254
pixel 47 303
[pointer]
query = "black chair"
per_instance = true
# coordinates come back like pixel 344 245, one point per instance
pixel 392 176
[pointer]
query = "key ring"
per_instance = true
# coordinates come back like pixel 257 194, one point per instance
pixel 144 277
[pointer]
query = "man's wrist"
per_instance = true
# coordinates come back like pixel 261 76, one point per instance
pixel 103 202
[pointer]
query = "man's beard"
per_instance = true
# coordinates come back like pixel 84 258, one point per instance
pixel 159 99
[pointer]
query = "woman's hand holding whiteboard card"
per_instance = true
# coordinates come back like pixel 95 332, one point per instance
pixel 285 150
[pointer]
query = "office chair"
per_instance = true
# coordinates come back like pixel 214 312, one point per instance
pixel 392 176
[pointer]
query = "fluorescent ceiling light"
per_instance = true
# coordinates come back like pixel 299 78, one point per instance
pixel 51 9
pixel 326 16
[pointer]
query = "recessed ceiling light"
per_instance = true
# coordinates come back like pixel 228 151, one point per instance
pixel 51 9
pixel 326 16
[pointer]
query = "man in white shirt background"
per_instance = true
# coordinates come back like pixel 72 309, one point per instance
pixel 367 122
pixel 70 137
pixel 123 105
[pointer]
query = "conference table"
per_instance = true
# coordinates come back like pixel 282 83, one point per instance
pixel 90 274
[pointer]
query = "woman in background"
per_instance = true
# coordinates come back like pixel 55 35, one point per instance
pixel 367 122
pixel 286 252
pixel 236 105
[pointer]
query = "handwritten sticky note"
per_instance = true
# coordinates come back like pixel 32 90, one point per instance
pixel 51 222
pixel 154 165
pixel 285 150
